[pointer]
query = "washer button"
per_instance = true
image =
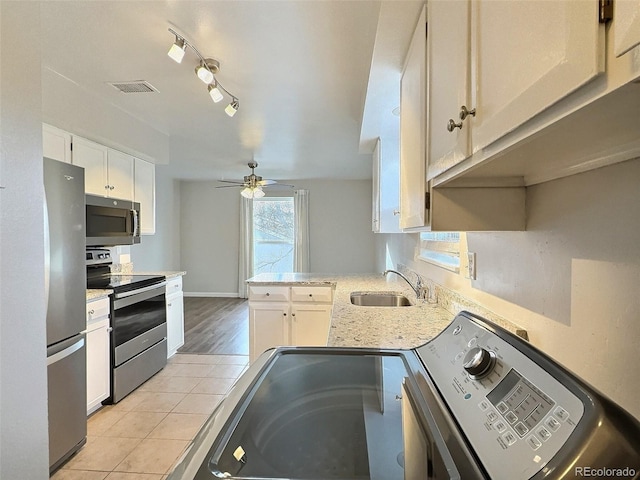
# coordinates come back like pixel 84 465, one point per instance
pixel 509 438
pixel 500 426
pixel 552 423
pixel 534 442
pixel 511 417
pixel 483 405
pixel 472 342
pixel 561 414
pixel 502 407
pixel 521 429
pixel 492 416
pixel 543 433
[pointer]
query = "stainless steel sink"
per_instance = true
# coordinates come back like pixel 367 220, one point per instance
pixel 379 299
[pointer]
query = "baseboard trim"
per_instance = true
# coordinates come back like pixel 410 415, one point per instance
pixel 211 294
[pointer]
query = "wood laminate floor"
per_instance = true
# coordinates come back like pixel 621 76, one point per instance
pixel 217 326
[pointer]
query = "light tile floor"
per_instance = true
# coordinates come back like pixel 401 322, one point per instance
pixel 141 437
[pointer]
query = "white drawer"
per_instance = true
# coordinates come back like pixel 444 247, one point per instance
pixel 97 309
pixel 268 293
pixel 174 285
pixel 311 294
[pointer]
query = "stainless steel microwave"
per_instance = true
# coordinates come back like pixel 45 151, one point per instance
pixel 112 221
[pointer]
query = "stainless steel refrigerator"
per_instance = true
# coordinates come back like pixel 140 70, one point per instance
pixel 65 289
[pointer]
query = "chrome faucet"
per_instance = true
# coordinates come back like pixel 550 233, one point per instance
pixel 419 289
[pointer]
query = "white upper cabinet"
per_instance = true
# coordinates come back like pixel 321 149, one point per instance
pixel 626 24
pixel 120 174
pixel 56 143
pixel 386 184
pixel 504 62
pixel 145 194
pixel 93 158
pixel 527 56
pixel 413 131
pixel 448 83
pixel 108 172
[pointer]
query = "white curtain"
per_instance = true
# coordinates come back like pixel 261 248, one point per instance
pixel 301 213
pixel 245 262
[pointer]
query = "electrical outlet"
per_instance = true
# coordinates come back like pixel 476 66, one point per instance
pixel 471 265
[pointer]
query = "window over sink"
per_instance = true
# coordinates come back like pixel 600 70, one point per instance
pixel 441 249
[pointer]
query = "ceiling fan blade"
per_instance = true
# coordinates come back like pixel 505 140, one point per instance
pixel 239 182
pixel 279 185
pixel 230 186
pixel 266 182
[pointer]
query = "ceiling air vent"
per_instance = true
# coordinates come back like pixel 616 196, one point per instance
pixel 139 86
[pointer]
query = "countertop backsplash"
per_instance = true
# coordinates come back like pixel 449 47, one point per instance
pixel 454 302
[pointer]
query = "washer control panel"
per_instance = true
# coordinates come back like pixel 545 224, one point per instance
pixel 515 414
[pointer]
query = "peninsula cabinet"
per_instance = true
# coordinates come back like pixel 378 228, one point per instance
pixel 288 315
pixel 98 353
pixel 175 315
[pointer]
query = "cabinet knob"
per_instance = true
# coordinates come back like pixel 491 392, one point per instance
pixel 168 304
pixel 91 312
pixel 106 187
pixel 311 294
pixel 109 329
pixel 396 212
pixel 284 314
pixel 111 187
pixel 293 314
pixel 266 294
pixel 465 112
pixel 452 125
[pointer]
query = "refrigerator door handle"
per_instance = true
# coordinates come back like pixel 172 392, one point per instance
pixel 56 357
pixel 47 252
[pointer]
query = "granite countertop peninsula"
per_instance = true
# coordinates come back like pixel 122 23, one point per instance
pixel 373 327
pixel 97 293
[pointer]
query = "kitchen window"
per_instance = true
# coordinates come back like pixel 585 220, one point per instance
pixel 273 235
pixel 441 249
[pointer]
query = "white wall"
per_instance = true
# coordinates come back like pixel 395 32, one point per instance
pixel 162 250
pixel 23 369
pixel 339 222
pixel 572 279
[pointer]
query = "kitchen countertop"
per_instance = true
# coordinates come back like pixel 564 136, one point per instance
pixel 374 327
pixel 97 293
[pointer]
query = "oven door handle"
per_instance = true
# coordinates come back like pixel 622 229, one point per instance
pixel 140 290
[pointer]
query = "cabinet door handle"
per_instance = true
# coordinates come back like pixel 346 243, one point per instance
pixel 452 125
pixel 465 112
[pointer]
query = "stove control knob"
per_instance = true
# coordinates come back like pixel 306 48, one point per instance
pixel 479 363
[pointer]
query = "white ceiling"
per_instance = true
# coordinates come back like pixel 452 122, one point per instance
pixel 300 69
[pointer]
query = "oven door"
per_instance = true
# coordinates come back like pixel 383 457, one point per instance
pixel 139 321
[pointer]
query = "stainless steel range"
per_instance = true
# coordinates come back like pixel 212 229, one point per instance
pixel 475 402
pixel 138 322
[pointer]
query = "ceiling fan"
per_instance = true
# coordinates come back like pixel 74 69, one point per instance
pixel 253 184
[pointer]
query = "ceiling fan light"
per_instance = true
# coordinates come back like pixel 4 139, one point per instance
pixel 232 108
pixel 176 52
pixel 215 93
pixel 204 73
pixel 258 193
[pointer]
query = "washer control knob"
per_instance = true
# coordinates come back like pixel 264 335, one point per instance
pixel 478 362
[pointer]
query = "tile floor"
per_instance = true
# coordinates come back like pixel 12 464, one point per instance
pixel 141 437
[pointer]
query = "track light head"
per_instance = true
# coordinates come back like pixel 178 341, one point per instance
pixel 214 92
pixel 232 108
pixel 207 69
pixel 176 52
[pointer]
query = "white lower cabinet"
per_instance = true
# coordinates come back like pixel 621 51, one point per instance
pixel 175 315
pixel 281 316
pixel 98 353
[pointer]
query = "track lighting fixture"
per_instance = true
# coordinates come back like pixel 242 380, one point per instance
pixel 205 71
pixel 232 108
